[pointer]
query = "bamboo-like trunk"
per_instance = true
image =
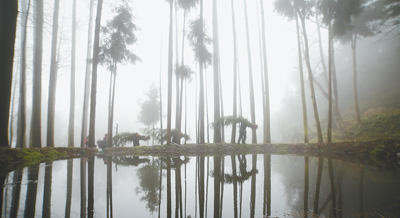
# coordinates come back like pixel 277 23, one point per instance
pixel 21 127
pixel 53 77
pixel 94 75
pixel 329 134
pixel 303 95
pixel 170 53
pixel 267 122
pixel 251 86
pixel 235 75
pixel 355 89
pixel 36 130
pixel 71 123
pixel 84 130
pixel 311 79
pixel 217 128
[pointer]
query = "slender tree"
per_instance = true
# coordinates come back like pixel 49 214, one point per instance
pixel 21 127
pixel 267 128
pixel 8 23
pixel 53 77
pixel 251 86
pixel 96 49
pixel 35 137
pixel 303 96
pixel 235 74
pixel 87 76
pixel 118 35
pixel 170 53
pixel 71 122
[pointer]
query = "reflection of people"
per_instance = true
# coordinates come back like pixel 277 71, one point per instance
pixel 242 133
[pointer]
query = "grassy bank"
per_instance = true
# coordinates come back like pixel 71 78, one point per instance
pixel 11 158
pixel 378 152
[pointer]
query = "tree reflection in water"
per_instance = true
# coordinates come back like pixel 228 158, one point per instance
pixel 149 181
pixel 340 192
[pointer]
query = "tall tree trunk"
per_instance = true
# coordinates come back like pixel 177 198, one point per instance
pixel 69 188
pixel 93 91
pixel 221 100
pixel 161 118
pixel 89 51
pixel 71 122
pixel 267 128
pixel 321 51
pixel 21 128
pixel 170 53
pixel 311 79
pixel 113 77
pixel 201 90
pixel 303 95
pixel 217 128
pixel 36 130
pixel 329 134
pixel 355 90
pixel 53 77
pixel 235 77
pixel 251 86
pixel 8 22
pixel 207 117
pixel 46 211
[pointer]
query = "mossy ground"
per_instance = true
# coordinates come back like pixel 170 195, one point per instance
pixel 13 158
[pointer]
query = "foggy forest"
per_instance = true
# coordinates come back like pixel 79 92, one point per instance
pixel 197 108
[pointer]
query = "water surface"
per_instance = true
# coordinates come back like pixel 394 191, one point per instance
pixel 249 186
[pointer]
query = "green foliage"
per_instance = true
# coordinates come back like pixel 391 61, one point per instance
pixel 376 125
pixel 230 120
pixel 150 110
pixel 162 135
pixel 122 139
pixel 184 72
pixel 118 34
pixel 186 5
pixel 149 181
pixel 289 8
pixel 199 41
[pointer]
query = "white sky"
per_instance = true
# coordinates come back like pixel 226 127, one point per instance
pixel 152 17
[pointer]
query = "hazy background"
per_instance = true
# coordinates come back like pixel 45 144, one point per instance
pixel 378 66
